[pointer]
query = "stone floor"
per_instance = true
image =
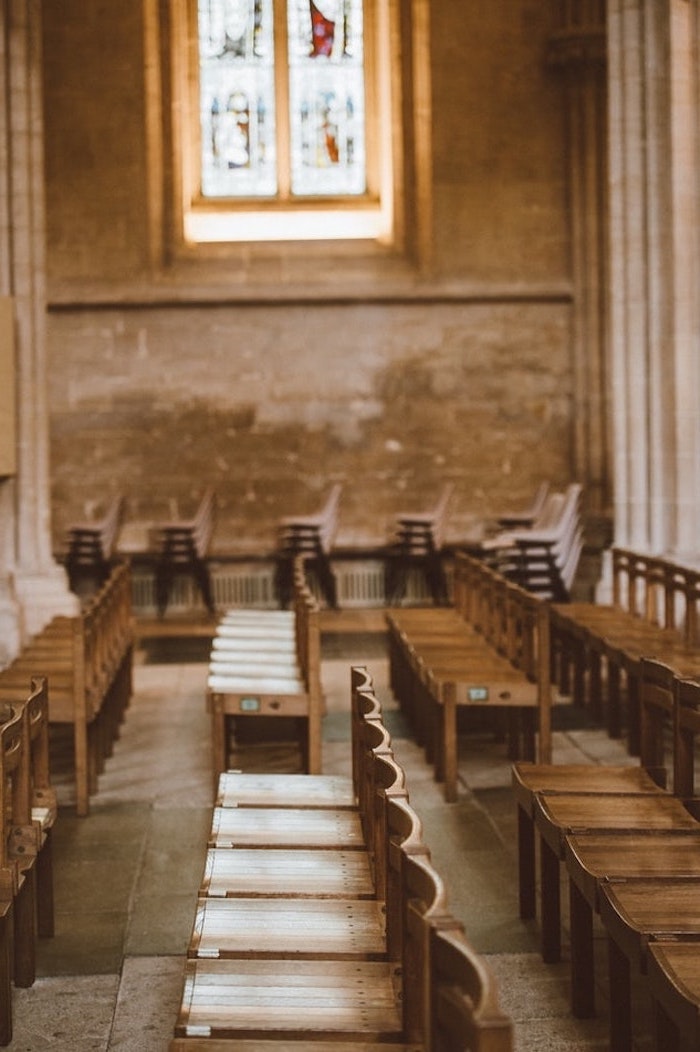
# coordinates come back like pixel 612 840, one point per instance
pixel 127 875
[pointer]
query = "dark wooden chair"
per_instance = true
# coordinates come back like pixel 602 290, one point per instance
pixel 310 536
pixel 418 545
pixel 91 547
pixel 182 547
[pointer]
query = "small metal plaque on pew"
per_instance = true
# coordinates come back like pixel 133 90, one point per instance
pixel 249 704
pixel 478 693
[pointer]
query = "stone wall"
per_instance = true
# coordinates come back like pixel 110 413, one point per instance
pixel 185 377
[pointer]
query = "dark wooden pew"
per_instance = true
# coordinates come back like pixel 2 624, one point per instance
pixel 87 660
pixel 354 946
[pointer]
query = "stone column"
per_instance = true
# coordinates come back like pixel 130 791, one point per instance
pixel 32 586
pixel 577 50
pixel 654 332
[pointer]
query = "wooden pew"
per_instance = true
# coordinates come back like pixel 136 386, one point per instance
pixel 632 853
pixel 87 660
pixel 418 543
pixel 91 546
pixel 597 648
pixel 267 664
pixel 490 651
pixel 182 547
pixel 298 985
pixel 310 536
pixel 27 813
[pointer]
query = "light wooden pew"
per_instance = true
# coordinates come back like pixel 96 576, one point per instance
pixel 87 660
pixel 268 664
pixel 631 850
pixel 491 651
pixel 597 647
pixel 346 952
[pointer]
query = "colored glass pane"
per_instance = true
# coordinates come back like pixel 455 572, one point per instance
pixel 237 98
pixel 326 97
pixel 324 86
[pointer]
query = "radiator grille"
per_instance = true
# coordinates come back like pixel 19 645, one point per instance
pixel 360 583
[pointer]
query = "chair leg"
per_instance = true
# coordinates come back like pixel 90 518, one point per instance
pixel 201 574
pixel 526 865
pixel 44 887
pixel 550 904
pixel 582 969
pixel 25 931
pixel 5 975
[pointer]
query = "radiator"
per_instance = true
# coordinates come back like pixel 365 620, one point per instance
pixel 360 584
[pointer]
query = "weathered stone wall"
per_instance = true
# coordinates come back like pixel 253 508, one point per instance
pixel 269 405
pixel 463 374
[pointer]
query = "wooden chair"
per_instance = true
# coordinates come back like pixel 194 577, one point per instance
pixel 543 558
pixel 640 911
pixel 649 776
pixel 310 536
pixel 182 547
pixel 559 814
pixel 91 546
pixel 418 543
pixel 527 516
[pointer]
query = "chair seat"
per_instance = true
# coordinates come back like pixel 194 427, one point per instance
pixel 286 827
pixel 234 684
pixel 252 666
pixel 305 928
pixel 284 790
pixel 245 998
pixel 288 873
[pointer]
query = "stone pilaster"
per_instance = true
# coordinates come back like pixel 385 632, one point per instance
pixel 32 586
pixel 577 49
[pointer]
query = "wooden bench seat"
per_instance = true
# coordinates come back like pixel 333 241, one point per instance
pixel 490 652
pixel 87 660
pixel 269 668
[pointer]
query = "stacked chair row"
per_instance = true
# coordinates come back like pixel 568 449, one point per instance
pixel 266 664
pixel 628 839
pixel 490 651
pixel 322 923
pixel 87 659
pixel 27 814
pixel 542 556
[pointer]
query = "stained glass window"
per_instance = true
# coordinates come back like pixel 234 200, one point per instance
pixel 282 98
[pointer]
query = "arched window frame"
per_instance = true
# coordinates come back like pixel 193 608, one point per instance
pixel 389 217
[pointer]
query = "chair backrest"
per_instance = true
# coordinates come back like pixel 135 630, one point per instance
pixel 656 715
pixel 685 736
pixel 465 1013
pixel 14 804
